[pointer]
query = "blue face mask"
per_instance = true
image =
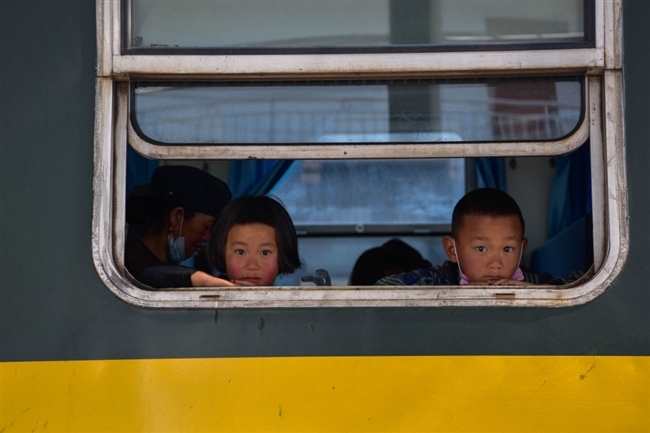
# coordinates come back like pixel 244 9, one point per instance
pixel 177 246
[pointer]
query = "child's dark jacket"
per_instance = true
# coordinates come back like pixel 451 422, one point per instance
pixel 448 274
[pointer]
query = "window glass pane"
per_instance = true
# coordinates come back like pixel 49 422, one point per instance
pixel 363 193
pixel 362 197
pixel 386 111
pixel 254 24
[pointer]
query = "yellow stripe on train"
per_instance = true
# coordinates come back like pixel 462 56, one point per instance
pixel 419 393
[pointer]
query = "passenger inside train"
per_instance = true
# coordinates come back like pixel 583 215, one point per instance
pixel 342 209
pixel 253 241
pixel 342 206
pixel 169 220
pixel 487 236
pixel 392 257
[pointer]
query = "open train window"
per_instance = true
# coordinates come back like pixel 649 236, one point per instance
pixel 328 89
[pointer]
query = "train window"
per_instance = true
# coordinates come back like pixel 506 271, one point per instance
pixel 359 112
pixel 251 25
pixel 433 96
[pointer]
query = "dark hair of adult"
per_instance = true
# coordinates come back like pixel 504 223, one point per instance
pixel 393 257
pixel 490 202
pixel 250 210
pixel 174 186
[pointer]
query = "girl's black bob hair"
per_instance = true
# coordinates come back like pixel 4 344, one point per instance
pixel 256 209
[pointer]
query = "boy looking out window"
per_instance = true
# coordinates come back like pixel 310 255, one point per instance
pixel 485 247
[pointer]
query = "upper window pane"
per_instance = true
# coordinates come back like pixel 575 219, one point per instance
pixel 390 111
pixel 313 24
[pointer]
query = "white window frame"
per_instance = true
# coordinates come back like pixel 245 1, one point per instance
pixel 603 125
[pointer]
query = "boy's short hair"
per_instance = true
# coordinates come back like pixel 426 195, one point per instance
pixel 490 202
pixel 251 210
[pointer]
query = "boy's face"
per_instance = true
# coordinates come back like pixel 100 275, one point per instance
pixel 489 249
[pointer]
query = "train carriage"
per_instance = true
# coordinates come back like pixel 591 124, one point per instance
pixel 94 93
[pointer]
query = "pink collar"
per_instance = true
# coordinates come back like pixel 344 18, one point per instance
pixel 518 276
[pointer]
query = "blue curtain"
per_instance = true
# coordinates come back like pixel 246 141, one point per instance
pixel 138 169
pixel 569 246
pixel 571 191
pixel 256 177
pixel 138 172
pixel 490 173
pixel 249 177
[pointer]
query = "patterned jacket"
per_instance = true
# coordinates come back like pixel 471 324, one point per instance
pixel 447 274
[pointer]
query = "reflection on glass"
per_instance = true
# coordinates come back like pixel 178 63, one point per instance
pixel 327 23
pixel 372 192
pixel 396 195
pixel 390 111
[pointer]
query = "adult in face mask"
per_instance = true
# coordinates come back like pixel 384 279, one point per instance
pixel 175 213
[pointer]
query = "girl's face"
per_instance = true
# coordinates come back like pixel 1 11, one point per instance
pixel 252 255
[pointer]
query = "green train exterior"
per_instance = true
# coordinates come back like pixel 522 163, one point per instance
pixel 74 357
